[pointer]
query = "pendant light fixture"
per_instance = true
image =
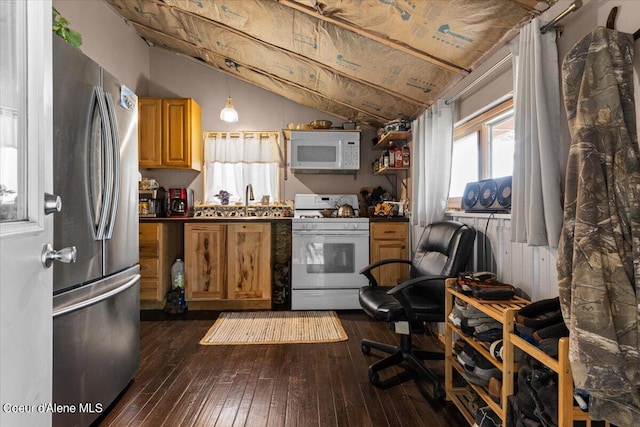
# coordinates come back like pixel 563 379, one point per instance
pixel 228 113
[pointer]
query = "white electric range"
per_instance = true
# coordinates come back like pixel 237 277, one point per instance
pixel 328 253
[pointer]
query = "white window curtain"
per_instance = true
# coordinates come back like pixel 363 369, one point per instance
pixel 235 159
pixel 431 163
pixel 536 209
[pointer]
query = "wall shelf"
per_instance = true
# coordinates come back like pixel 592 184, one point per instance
pixel 393 139
pixel 384 171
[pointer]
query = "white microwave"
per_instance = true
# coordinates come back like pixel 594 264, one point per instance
pixel 325 151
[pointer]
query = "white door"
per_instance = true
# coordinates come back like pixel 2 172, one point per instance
pixel 25 176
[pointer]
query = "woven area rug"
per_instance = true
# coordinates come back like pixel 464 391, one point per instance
pixel 275 327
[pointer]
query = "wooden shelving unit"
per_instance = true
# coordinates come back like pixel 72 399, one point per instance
pixel 399 138
pixel 501 311
pixel 383 171
pixel 567 413
pixel 393 139
pixel 504 312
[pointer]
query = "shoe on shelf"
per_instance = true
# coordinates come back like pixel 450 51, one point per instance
pixel 485 417
pixel 495 389
pixel 485 369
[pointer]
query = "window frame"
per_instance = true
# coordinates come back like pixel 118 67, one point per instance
pixel 280 174
pixel 480 124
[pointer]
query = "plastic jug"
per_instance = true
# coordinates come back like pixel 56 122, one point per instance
pixel 177 274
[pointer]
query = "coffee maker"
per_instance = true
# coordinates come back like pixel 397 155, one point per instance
pixel 152 203
pixel 180 203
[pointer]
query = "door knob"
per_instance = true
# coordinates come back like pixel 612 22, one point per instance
pixel 66 255
pixel 52 203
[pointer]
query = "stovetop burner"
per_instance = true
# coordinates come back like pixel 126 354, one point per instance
pixel 310 206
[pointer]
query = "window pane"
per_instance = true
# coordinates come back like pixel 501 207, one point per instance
pixel 501 136
pixel 464 166
pixel 234 178
pixel 13 205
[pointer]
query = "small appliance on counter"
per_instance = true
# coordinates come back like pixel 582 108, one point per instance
pixel 152 203
pixel 180 203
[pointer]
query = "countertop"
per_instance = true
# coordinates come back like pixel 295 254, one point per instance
pixel 256 219
pixel 218 219
pixel 389 219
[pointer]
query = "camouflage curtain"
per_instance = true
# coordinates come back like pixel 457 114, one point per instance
pixel 599 250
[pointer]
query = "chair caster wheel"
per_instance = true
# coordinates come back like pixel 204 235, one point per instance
pixel 365 349
pixel 374 378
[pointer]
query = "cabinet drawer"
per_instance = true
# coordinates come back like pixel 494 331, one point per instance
pixel 148 231
pixel 382 231
pixel 149 267
pixel 149 249
pixel 149 289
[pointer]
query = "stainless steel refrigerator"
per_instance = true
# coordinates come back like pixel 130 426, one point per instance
pixel 96 319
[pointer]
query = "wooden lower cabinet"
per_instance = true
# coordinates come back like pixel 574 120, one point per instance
pixel 205 264
pixel 160 245
pixel 228 266
pixel 389 240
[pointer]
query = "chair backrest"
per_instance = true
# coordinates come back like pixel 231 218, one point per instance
pixel 444 249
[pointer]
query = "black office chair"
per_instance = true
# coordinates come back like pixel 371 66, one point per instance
pixel 443 251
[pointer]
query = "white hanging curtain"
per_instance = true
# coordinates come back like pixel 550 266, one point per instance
pixel 431 163
pixel 235 159
pixel 536 209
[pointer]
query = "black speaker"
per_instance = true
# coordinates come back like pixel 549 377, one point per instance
pixel 488 195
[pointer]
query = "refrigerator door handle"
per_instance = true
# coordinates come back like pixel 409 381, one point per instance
pixel 107 176
pixel 91 301
pixel 115 157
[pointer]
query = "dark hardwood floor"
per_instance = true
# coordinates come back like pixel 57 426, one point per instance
pixel 183 383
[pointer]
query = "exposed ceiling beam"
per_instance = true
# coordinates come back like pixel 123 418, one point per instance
pixel 264 73
pixel 531 5
pixel 397 46
pixel 417 103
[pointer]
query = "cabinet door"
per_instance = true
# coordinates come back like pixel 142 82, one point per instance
pixel 204 246
pixel 176 133
pixel 150 132
pixel 389 240
pixel 249 261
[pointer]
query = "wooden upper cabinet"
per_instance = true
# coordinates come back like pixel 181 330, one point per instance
pixel 150 132
pixel 170 133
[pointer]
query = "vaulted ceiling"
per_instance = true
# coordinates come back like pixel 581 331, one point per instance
pixel 370 61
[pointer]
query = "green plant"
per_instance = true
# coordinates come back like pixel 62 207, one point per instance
pixel 60 26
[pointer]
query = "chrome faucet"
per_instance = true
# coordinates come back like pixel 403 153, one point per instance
pixel 248 195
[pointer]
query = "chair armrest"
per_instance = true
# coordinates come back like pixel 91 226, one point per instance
pixel 400 292
pixel 366 271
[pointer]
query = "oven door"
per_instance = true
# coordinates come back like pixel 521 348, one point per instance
pixel 329 260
